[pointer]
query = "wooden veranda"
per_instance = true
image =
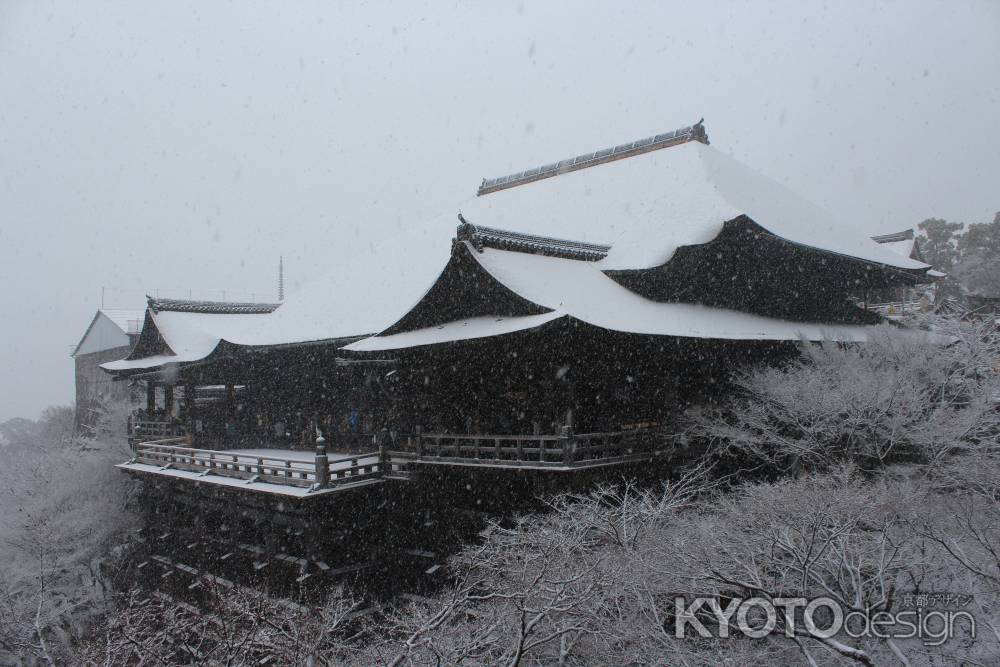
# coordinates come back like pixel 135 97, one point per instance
pixel 301 473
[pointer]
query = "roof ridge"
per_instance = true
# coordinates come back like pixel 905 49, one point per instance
pixel 501 239
pixel 217 307
pixel 683 135
pixel 905 235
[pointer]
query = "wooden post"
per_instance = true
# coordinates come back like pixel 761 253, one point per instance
pixel 150 398
pixel 190 411
pixel 419 441
pixel 168 400
pixel 568 442
pixel 383 463
pixel 322 464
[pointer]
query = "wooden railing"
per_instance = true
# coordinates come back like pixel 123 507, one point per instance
pixel 167 453
pixel 141 430
pixel 541 448
pixel 568 449
pixel 564 451
pixel 897 307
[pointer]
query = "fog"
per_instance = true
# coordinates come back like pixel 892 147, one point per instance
pixel 181 148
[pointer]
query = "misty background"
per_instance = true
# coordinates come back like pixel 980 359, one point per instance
pixel 179 148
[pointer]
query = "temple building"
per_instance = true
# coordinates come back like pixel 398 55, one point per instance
pixel 900 300
pixel 110 335
pixel 577 310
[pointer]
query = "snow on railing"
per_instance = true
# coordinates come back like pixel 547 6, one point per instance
pixel 167 454
pixel 565 451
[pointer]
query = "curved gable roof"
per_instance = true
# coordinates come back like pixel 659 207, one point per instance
pixel 648 205
pixel 580 290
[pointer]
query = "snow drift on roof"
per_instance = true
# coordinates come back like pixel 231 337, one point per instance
pixel 364 291
pixel 902 248
pixel 648 205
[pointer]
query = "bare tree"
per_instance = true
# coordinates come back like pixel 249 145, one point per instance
pixel 551 588
pixel 596 579
pixel 65 509
pixel 233 625
pixel 904 394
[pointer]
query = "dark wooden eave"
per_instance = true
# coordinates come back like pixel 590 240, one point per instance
pixel 464 289
pixel 748 268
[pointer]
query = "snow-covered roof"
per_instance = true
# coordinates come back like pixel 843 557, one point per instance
pixel 580 290
pixel 648 205
pixel 191 336
pixel 127 319
pixel 120 323
pixel 363 293
pixel 902 248
pixel 902 243
pixel 473 327
pixel 644 206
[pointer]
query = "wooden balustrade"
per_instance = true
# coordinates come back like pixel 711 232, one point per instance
pixel 253 467
pixel 145 430
pixel 564 451
pixel 541 450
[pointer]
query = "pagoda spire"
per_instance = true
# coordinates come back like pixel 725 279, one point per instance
pixel 281 278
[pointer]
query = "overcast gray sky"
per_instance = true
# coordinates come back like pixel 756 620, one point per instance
pixel 183 146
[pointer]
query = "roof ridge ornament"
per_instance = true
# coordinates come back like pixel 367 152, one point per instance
pixel 215 307
pixel 501 239
pixel 905 235
pixel 683 135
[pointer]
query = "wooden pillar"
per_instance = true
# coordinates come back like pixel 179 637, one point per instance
pixel 168 399
pixel 150 397
pixel 383 459
pixel 568 444
pixel 322 464
pixel 190 412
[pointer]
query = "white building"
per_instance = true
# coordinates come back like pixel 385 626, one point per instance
pixel 110 335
